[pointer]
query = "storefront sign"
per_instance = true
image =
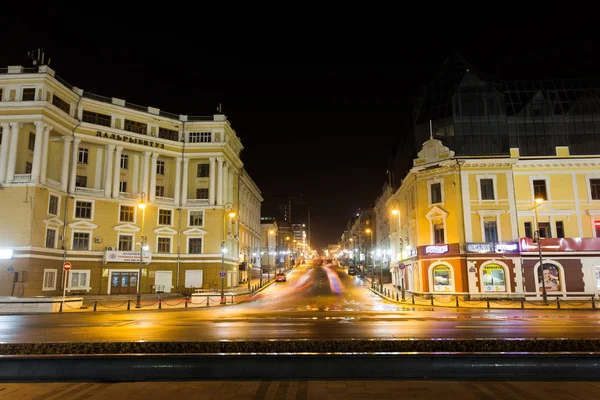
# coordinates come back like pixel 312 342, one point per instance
pixel 561 244
pixel 436 249
pixel 493 278
pixel 128 139
pixel 489 247
pixel 127 256
pixel 412 252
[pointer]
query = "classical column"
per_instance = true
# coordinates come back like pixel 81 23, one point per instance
pixel 117 172
pixel 4 149
pixel 108 170
pixel 230 183
pixel 74 166
pixel 64 172
pixel 37 151
pixel 177 191
pixel 136 174
pixel 211 181
pixel 220 181
pixel 12 154
pixel 44 166
pixel 152 196
pixel 223 183
pixel 145 167
pixel 184 189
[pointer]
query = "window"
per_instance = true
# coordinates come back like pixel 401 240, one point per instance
pixel 560 229
pixel 82 156
pixel 79 279
pixel 436 193
pixel 491 232
pixel 127 214
pixel 528 230
pixel 49 279
pixel 160 167
pixel 160 191
pixel 539 189
pixel 195 245
pixel 164 245
pixel 60 103
pixel 123 186
pixel 83 209
pixel 196 218
pixel 28 94
pixel 168 134
pixel 81 240
pixel 80 181
pixel 164 217
pixel 125 242
pixel 97 119
pixel 202 193
pixel 487 189
pixel 551 277
pixel 202 171
pixel 442 279
pixel 31 144
pixel 28 167
pixel 200 137
pixel 136 127
pixel 545 231
pixel 124 161
pixel 50 238
pixel 595 188
pixel 438 233
pixel 53 205
pixel 493 278
pixel 1 93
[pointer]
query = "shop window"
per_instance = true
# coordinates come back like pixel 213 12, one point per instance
pixel 551 277
pixel 438 233
pixel 545 231
pixel 493 278
pixel 436 193
pixel 539 189
pixel 491 231
pixel 442 279
pixel 528 230
pixel 560 229
pixel 487 189
pixel 595 189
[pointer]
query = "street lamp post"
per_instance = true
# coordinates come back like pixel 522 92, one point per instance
pixel 258 252
pixel 227 210
pixel 370 233
pixel 271 232
pixel 141 206
pixel 400 242
pixel 539 201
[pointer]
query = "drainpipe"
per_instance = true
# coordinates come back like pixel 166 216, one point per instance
pixel 180 210
pixel 71 161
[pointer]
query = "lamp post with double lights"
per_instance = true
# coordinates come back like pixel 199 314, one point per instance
pixel 369 232
pixel 227 210
pixel 400 242
pixel 539 201
pixel 143 240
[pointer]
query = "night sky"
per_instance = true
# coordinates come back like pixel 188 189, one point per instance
pixel 319 116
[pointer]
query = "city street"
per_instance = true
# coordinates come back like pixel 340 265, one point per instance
pixel 320 303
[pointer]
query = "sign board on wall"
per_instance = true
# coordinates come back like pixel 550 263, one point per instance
pixel 489 247
pixel 127 256
pixel 436 249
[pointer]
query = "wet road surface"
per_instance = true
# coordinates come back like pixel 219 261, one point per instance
pixel 321 303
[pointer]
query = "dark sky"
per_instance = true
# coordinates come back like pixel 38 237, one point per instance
pixel 319 113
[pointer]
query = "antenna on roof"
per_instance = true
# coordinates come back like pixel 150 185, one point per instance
pixel 219 109
pixel 37 56
pixel 430 131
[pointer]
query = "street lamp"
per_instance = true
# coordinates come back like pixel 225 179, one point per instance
pixel 259 254
pixel 271 232
pixel 227 210
pixel 395 211
pixel 369 232
pixel 287 248
pixel 141 206
pixel 539 201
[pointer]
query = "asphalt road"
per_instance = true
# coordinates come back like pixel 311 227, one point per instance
pixel 314 303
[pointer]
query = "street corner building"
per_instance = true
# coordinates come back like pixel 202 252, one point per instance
pixel 74 168
pixel 503 198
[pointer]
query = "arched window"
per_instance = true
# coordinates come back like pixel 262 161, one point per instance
pixel 442 278
pixel 494 277
pixel 551 277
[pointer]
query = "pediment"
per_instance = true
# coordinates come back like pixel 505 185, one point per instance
pixel 194 231
pixel 54 221
pixel 82 225
pixel 432 151
pixel 165 230
pixel 436 212
pixel 127 227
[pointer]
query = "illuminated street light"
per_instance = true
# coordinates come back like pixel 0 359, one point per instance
pixel 227 210
pixel 143 246
pixel 539 201
pixel 370 233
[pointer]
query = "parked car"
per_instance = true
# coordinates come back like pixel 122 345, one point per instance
pixel 351 271
pixel 280 277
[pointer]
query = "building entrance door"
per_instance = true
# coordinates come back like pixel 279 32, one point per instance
pixel 123 282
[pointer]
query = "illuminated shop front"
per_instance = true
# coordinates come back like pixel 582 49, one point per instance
pixel 493 268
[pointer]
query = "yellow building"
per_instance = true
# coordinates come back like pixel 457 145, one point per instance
pixel 75 166
pixel 466 224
